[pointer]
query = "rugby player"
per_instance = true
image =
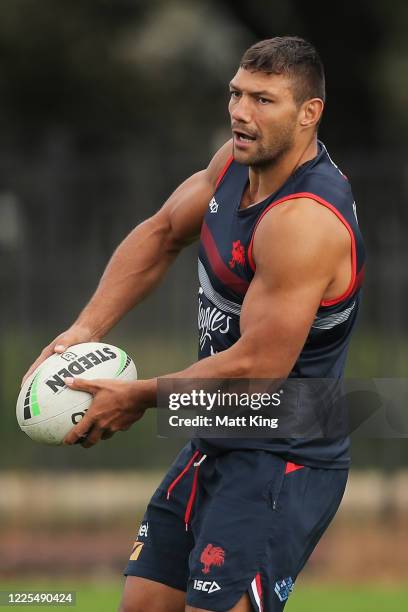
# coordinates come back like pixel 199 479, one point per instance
pixel 281 263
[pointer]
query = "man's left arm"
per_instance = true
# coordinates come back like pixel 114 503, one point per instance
pixel 297 250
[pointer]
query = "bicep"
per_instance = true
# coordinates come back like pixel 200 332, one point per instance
pixel 184 211
pixel 275 322
pixel 293 270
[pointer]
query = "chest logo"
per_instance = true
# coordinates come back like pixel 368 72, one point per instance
pixel 213 205
pixel 237 254
pixel 211 321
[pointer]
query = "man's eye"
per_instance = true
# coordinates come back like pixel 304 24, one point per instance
pixel 263 100
pixel 234 94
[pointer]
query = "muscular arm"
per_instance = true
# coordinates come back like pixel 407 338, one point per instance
pixel 297 250
pixel 142 259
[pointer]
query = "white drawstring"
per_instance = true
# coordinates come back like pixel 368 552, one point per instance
pixel 197 463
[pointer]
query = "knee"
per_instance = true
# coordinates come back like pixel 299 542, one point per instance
pixel 136 599
pixel 133 605
pixel 136 604
pixel 143 595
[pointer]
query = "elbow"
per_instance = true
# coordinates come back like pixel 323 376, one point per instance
pixel 242 362
pixel 264 368
pixel 170 242
pixel 242 367
pixel 251 362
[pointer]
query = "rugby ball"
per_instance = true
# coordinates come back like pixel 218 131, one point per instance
pixel 47 409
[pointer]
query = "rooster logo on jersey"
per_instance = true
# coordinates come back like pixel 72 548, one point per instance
pixel 237 254
pixel 212 555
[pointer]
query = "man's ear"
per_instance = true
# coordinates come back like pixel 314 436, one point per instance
pixel 310 112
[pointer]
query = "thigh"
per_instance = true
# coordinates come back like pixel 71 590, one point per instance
pixel 244 605
pixel 234 519
pixel 162 547
pixel 308 501
pixel 255 527
pixel 141 594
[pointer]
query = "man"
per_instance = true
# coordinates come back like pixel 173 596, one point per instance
pixel 280 264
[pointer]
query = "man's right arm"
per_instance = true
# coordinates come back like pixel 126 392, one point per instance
pixel 142 259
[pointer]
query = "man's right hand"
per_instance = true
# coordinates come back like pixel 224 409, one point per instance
pixel 143 257
pixel 74 335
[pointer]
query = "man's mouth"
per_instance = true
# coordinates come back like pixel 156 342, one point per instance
pixel 243 136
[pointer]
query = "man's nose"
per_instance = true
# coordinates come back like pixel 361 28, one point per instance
pixel 241 111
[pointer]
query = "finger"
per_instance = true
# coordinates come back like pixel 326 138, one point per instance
pixel 93 437
pixel 43 356
pixel 28 373
pixel 60 348
pixel 107 434
pixel 81 384
pixel 45 353
pixel 80 430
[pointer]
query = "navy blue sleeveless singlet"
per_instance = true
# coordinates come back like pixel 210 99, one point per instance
pixel 226 268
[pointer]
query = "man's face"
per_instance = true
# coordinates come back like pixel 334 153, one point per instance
pixel 264 117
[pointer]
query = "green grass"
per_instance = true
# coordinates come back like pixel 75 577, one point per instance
pixel 353 599
pixel 104 597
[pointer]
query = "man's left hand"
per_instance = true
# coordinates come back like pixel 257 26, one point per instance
pixel 114 408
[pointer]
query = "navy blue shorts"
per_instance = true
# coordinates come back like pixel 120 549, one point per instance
pixel 244 521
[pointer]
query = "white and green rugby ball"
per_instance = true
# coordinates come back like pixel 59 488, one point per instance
pixel 47 409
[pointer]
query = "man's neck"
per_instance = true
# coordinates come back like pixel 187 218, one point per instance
pixel 264 181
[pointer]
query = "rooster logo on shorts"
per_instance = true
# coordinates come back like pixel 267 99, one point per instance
pixel 212 555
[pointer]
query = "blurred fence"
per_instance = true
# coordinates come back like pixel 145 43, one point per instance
pixel 105 109
pixel 106 497
pixel 84 525
pixel 61 215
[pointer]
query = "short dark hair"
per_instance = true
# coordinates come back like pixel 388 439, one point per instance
pixel 292 56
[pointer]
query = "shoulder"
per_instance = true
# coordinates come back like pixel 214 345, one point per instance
pixel 300 229
pixel 219 163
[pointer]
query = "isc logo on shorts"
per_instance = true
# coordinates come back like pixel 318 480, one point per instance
pixel 206 586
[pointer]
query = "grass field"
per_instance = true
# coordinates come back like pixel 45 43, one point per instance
pixel 105 597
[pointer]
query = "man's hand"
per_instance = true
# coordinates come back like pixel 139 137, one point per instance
pixel 116 406
pixel 74 335
pixel 142 259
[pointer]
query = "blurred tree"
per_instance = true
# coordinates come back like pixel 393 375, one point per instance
pixel 349 38
pixel 104 70
pixel 105 105
pixel 58 66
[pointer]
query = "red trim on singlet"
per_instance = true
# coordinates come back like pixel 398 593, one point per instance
pixel 360 278
pixel 224 274
pixel 295 196
pixel 223 171
pixel 292 467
